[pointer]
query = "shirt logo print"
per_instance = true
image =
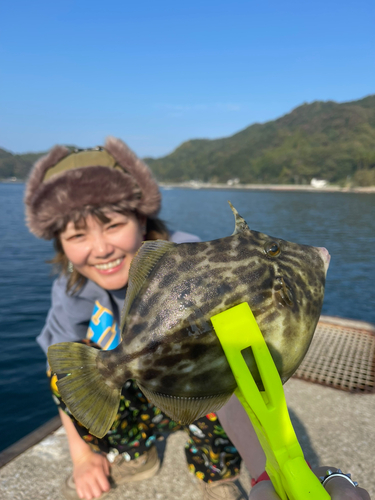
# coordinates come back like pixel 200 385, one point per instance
pixel 103 329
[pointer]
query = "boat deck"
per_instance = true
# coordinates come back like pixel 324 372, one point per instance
pixel 335 427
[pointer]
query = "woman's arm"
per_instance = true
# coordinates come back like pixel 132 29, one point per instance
pixel 90 469
pixel 239 429
pixel 237 425
pixel 67 321
pixel 339 488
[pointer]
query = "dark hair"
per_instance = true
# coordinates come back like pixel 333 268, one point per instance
pixel 155 230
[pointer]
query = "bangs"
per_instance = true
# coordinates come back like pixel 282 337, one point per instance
pixel 79 217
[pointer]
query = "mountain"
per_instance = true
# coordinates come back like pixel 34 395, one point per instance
pixel 18 166
pixel 326 140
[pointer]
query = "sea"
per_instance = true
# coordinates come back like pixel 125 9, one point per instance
pixel 344 223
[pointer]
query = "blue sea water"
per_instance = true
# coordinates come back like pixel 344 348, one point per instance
pixel 342 222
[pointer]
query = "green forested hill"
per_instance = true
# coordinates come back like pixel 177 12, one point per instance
pixel 18 166
pixel 325 140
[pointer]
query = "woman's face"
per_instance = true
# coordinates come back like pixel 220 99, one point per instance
pixel 102 252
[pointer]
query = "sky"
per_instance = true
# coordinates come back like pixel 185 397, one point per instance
pixel 158 73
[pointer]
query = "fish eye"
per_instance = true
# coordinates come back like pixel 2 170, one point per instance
pixel 272 249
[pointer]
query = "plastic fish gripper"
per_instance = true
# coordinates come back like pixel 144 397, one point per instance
pixel 291 477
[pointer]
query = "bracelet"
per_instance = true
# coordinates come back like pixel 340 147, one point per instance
pixel 263 477
pixel 330 475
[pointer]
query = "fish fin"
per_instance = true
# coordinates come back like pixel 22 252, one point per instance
pixel 142 264
pixel 84 390
pixel 240 223
pixel 184 409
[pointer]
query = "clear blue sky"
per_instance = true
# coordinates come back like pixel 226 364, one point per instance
pixel 157 73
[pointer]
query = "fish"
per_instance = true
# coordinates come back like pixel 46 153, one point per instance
pixel 168 344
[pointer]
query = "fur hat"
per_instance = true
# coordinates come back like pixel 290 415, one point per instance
pixel 63 183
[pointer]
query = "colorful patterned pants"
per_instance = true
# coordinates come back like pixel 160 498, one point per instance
pixel 210 454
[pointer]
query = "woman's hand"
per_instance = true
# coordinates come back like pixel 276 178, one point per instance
pixel 263 491
pixel 90 469
pixel 90 473
pixel 337 488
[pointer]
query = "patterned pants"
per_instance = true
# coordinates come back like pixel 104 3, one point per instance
pixel 210 454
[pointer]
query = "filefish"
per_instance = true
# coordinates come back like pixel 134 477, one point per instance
pixel 168 343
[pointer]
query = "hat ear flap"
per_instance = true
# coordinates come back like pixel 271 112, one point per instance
pixel 34 185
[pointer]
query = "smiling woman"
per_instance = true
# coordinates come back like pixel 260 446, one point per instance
pixel 99 206
pixel 103 251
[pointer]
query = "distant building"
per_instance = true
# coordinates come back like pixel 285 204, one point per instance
pixel 9 180
pixel 233 182
pixel 318 183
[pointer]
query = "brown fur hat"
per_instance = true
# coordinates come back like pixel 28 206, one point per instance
pixel 63 183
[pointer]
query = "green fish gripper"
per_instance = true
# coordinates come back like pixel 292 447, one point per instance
pixel 291 476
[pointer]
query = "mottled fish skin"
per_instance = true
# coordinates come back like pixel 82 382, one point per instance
pixel 169 345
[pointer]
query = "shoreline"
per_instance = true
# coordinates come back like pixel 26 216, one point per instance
pixel 267 187
pixel 250 187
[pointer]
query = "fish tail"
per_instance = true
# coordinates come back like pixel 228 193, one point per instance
pixel 91 398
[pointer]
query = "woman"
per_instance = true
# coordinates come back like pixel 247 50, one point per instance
pixel 99 206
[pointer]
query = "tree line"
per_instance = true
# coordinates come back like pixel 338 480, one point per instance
pixel 326 140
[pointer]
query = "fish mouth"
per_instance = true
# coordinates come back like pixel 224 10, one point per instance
pixel 325 256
